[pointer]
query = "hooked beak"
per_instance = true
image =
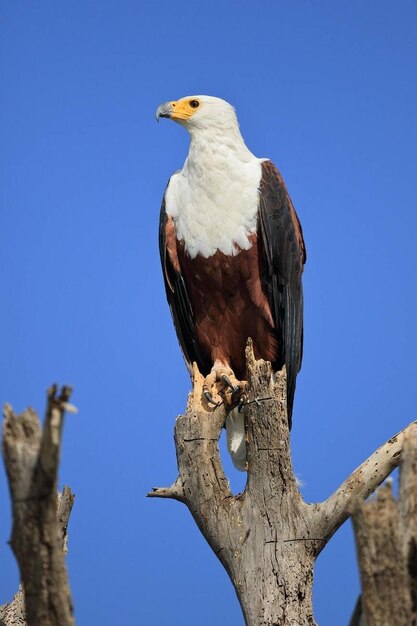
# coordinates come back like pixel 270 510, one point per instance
pixel 164 110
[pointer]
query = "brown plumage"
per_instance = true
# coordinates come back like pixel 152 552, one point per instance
pixel 220 301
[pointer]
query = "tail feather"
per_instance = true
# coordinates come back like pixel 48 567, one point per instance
pixel 236 442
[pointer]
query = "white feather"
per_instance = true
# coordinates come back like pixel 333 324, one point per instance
pixel 235 435
pixel 213 200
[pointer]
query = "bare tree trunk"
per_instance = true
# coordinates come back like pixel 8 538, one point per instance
pixel 13 613
pixel 267 538
pixel 384 585
pixel 40 518
pixel 407 513
pixel 386 533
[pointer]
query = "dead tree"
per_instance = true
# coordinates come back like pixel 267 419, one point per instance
pixel 40 516
pixel 386 543
pixel 267 538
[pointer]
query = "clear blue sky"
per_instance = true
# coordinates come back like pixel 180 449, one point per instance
pixel 328 91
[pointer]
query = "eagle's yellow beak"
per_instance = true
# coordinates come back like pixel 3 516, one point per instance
pixel 179 110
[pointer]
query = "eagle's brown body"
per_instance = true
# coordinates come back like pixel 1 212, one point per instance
pixel 229 305
pixel 219 302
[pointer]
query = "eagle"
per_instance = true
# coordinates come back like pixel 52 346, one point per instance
pixel 232 254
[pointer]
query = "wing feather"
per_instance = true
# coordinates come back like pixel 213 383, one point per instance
pixel 281 268
pixel 177 295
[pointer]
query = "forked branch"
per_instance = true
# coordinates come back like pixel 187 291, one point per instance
pixel 31 455
pixel 386 544
pixel 267 538
pixel 364 480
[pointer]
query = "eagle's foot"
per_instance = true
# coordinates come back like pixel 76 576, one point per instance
pixel 222 382
pixel 209 397
pixel 235 389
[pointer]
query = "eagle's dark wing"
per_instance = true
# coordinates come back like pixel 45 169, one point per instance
pixel 281 267
pixel 177 296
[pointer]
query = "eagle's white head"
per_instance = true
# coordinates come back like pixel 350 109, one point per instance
pixel 200 113
pixel 219 181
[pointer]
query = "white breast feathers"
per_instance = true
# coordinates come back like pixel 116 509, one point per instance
pixel 213 200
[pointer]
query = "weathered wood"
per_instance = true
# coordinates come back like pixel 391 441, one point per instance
pixel 364 480
pixel 31 456
pixel 13 613
pixel 383 577
pixel 386 538
pixel 267 538
pixel 407 514
pixel 274 584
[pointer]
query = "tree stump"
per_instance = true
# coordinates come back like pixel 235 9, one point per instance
pixel 267 538
pixel 40 515
pixel 386 543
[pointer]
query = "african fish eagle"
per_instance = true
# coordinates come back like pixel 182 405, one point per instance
pixel 232 254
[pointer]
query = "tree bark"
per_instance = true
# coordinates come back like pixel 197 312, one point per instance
pixel 267 538
pixel 386 539
pixel 13 613
pixel 40 519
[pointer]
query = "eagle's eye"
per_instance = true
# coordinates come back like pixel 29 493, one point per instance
pixel 194 104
